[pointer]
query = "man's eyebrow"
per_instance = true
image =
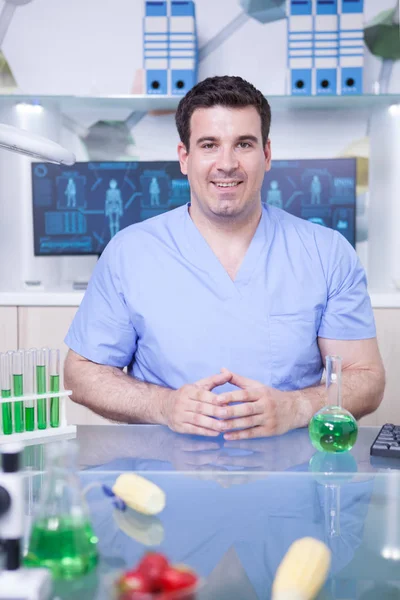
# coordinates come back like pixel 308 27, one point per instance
pixel 249 137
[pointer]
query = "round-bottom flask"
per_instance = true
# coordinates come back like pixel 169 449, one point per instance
pixel 333 428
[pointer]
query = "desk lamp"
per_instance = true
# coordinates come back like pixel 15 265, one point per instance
pixel 7 15
pixel 35 146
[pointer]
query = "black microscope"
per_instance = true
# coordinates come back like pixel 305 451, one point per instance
pixel 16 582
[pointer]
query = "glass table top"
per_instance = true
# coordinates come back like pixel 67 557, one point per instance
pixel 233 509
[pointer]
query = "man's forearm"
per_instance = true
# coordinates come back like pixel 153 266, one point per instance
pixel 362 392
pixel 111 393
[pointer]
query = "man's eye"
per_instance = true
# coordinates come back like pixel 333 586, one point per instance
pixel 244 145
pixel 208 146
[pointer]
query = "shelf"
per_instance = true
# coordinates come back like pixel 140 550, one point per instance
pixel 149 103
pixel 365 101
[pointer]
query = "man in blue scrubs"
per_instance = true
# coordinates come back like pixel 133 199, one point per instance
pixel 223 310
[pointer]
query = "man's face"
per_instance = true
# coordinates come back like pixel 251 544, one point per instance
pixel 227 161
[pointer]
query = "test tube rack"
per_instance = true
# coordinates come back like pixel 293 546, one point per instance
pixel 41 435
pixel 32 402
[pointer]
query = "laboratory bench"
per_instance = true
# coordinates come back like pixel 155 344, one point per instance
pixel 234 508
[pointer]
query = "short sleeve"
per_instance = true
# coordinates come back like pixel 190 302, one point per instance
pixel 102 330
pixel 348 312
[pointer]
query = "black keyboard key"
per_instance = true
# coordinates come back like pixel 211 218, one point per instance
pixel 387 442
pixel 381 446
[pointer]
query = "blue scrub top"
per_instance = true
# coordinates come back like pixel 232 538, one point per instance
pixel 160 302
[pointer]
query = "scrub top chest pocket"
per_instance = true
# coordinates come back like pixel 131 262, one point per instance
pixel 295 356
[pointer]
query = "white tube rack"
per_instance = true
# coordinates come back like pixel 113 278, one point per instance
pixel 38 436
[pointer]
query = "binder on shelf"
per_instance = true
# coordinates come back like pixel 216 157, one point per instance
pixel 155 47
pixel 326 47
pixel 182 47
pixel 300 47
pixel 351 46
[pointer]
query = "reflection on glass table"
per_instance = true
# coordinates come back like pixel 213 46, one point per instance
pixel 232 518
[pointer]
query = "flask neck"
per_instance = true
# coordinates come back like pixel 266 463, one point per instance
pixel 334 381
pixel 61 495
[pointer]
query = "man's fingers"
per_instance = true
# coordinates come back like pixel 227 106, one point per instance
pixel 244 434
pixel 243 382
pixel 204 407
pixel 208 383
pixel 244 423
pixel 240 396
pixel 245 409
pixel 194 430
pixel 214 408
pixel 200 420
pixel 204 396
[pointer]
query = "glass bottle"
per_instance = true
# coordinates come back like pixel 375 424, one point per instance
pixel 62 538
pixel 333 428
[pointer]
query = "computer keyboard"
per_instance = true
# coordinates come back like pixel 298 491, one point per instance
pixel 387 442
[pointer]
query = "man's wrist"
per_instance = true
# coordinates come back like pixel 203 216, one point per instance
pixel 305 403
pixel 164 405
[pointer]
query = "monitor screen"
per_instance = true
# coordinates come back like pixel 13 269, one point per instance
pixel 322 191
pixel 78 209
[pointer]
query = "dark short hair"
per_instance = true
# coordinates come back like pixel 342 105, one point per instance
pixel 226 90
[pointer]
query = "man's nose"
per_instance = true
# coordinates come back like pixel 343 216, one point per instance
pixel 227 160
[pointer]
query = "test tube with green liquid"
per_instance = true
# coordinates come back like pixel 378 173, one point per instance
pixel 54 370
pixel 30 388
pixel 17 362
pixel 41 387
pixel 6 407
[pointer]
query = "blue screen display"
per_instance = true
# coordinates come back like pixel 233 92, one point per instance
pixel 322 191
pixel 78 209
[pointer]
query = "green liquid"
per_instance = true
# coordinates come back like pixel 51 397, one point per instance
pixel 6 411
pixel 18 406
pixel 29 418
pixel 333 433
pixel 41 403
pixel 64 545
pixel 54 402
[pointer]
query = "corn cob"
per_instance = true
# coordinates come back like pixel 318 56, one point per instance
pixel 139 493
pixel 303 571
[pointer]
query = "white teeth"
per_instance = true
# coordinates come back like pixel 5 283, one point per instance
pixel 234 183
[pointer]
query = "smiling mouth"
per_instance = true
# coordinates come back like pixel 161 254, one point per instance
pixel 226 185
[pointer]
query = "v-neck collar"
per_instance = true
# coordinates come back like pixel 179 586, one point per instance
pixel 204 258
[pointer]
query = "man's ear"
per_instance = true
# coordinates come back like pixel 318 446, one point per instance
pixel 183 157
pixel 267 154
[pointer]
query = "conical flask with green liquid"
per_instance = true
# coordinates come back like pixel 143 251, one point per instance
pixel 62 538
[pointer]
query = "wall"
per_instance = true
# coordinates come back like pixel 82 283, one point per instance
pixel 95 48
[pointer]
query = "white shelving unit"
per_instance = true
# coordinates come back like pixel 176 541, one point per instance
pixel 150 103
